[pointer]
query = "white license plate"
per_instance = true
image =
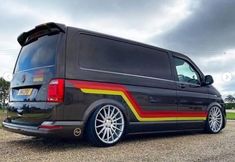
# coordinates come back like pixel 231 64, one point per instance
pixel 25 92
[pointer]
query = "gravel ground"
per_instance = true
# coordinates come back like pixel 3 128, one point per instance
pixel 165 147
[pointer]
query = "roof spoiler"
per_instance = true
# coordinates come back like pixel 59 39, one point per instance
pixel 22 38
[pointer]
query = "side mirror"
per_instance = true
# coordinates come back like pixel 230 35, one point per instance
pixel 208 80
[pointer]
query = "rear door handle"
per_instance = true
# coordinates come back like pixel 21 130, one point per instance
pixel 194 86
pixel 182 85
pixel 153 99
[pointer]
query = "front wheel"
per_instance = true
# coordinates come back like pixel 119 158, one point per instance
pixel 215 120
pixel 106 126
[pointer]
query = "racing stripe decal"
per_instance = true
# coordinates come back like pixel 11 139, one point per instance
pixel 139 113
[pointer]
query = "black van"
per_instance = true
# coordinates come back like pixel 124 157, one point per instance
pixel 73 82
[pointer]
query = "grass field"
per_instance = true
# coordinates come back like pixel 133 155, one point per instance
pixel 230 115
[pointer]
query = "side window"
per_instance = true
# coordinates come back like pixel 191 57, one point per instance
pixel 122 57
pixel 186 72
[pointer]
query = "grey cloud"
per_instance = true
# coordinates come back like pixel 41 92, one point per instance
pixel 208 31
pixel 101 7
pixel 13 24
pixel 129 13
pixel 217 66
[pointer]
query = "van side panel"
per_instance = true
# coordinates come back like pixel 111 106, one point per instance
pixel 150 92
pixel 142 104
pixel 144 86
pixel 142 77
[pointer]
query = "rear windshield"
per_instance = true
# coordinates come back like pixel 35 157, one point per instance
pixel 39 53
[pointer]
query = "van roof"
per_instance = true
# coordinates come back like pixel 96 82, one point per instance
pixel 62 27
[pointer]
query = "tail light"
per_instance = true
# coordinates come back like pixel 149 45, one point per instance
pixel 56 90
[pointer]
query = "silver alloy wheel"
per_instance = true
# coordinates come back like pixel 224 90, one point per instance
pixel 215 119
pixel 109 124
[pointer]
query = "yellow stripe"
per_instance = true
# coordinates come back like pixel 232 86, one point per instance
pixel 120 93
pixel 191 118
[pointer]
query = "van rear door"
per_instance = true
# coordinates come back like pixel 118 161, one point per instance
pixel 36 66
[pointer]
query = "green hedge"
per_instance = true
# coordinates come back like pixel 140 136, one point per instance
pixel 230 105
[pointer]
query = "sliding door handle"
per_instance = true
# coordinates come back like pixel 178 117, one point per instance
pixel 181 85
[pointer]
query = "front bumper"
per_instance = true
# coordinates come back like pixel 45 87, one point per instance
pixel 48 129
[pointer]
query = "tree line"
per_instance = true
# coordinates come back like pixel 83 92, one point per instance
pixel 4 91
pixel 230 102
pixel 230 99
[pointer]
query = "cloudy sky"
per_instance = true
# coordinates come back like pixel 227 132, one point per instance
pixel 203 29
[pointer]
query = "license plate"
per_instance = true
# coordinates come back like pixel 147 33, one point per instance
pixel 25 92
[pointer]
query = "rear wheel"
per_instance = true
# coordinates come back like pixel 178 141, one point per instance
pixel 106 126
pixel 215 120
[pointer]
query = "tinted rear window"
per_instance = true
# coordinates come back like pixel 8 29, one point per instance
pixel 111 55
pixel 39 53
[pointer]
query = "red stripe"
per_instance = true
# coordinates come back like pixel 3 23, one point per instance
pixel 139 110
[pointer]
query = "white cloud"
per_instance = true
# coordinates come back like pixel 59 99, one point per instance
pixel 221 67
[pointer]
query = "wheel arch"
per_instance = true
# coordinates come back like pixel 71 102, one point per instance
pixel 222 109
pixel 91 109
pixel 218 105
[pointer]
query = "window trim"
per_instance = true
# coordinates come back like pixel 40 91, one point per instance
pixel 125 74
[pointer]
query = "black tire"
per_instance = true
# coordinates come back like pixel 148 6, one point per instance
pixel 91 130
pixel 220 119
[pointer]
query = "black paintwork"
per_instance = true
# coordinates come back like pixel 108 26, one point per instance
pixel 151 93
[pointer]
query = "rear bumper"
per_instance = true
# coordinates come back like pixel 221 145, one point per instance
pixel 56 128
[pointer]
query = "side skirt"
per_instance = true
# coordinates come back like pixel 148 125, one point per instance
pixel 161 127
